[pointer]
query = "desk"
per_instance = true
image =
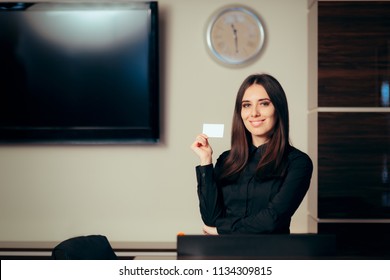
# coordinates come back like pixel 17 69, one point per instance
pixel 262 246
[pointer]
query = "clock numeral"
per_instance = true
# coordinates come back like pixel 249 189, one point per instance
pixel 251 44
pixel 221 45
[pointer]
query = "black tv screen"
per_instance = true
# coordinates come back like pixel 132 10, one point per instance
pixel 79 72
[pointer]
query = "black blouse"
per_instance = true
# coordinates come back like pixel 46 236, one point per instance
pixel 251 205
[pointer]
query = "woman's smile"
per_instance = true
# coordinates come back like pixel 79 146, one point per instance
pixel 257 123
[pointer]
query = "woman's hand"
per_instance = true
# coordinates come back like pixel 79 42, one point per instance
pixel 203 149
pixel 209 230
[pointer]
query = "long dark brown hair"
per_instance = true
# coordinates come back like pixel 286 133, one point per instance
pixel 271 163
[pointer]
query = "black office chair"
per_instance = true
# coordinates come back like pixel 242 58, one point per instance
pixel 91 247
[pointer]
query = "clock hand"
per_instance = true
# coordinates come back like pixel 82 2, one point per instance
pixel 235 37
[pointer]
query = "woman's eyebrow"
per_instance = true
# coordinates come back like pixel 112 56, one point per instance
pixel 261 99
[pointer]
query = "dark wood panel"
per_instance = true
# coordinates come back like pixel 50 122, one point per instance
pixel 359 240
pixel 353 165
pixel 353 53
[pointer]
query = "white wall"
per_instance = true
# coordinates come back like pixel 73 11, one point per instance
pixel 148 193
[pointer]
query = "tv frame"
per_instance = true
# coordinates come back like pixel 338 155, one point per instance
pixel 103 135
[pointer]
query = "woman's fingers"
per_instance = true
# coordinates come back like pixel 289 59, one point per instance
pixel 202 140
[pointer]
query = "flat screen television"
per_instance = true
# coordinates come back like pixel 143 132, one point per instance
pixel 79 72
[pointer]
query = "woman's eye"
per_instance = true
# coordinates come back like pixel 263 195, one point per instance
pixel 246 105
pixel 265 104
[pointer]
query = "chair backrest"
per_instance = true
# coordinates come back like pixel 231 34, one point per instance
pixel 91 247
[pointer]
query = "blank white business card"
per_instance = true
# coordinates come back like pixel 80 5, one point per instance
pixel 213 130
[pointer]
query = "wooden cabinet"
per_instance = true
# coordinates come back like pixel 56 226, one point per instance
pixel 353 165
pixel 349 103
pixel 353 54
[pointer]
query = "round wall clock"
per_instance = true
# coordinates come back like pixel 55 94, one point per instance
pixel 235 35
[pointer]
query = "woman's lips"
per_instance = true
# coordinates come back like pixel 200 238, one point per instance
pixel 257 123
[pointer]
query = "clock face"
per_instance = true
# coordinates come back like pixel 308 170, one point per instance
pixel 235 36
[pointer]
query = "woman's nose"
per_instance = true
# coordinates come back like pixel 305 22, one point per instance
pixel 255 111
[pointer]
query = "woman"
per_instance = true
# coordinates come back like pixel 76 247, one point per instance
pixel 257 185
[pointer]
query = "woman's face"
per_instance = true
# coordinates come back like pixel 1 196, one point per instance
pixel 258 114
